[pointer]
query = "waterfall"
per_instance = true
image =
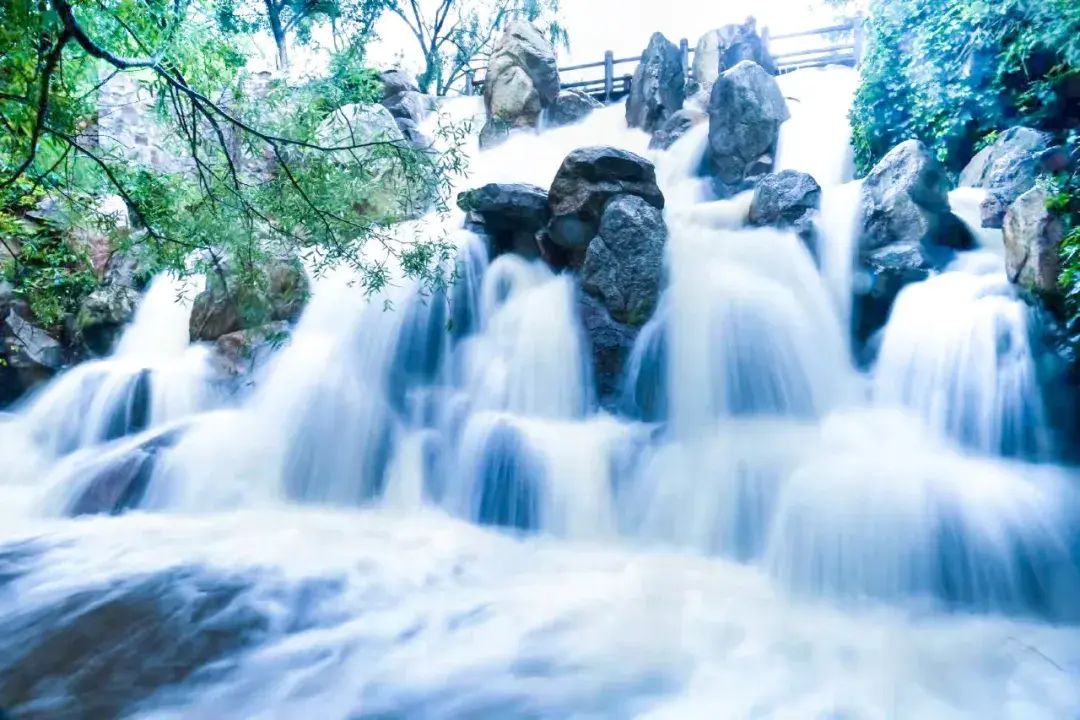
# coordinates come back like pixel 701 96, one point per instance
pixel 421 508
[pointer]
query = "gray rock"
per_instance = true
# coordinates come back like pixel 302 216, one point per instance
pixel 675 127
pixel 1033 238
pixel 411 132
pixel 220 310
pixel 624 264
pixel 610 343
pixel 511 216
pixel 495 132
pixel 587 179
pixel 723 48
pixel 1007 169
pixel 29 347
pixel 905 200
pixel 522 76
pixel 783 199
pixel 571 106
pixel 881 275
pixel 658 88
pixel 746 109
pixel 103 315
pixel 409 104
pixel 397 81
pixel 237 354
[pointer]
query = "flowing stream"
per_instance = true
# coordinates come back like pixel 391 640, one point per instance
pixel 419 513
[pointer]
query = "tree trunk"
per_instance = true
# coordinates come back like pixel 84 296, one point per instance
pixel 273 14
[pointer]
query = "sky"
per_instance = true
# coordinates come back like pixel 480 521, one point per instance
pixel 623 26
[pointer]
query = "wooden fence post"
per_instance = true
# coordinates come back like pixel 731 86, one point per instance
pixel 609 75
pixel 684 58
pixel 469 88
pixel 859 33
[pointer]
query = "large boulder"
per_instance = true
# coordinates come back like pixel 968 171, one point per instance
pixel 746 109
pixel 587 179
pixel 409 105
pixel 724 48
pixel 522 76
pixel 624 264
pixel 29 348
pixel 511 216
pixel 103 315
pixel 571 106
pixel 396 81
pixel 611 343
pixel 238 354
pixel 906 231
pixel 1033 236
pixel 222 309
pixel 676 126
pixel 1007 169
pixel 788 199
pixel 658 88
pixel 905 199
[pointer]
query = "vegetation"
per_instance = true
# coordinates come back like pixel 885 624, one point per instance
pixel 456 35
pixel 253 177
pixel 957 73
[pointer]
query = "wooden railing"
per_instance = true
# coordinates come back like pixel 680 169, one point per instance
pixel 612 87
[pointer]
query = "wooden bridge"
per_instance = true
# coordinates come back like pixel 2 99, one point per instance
pixel 838 45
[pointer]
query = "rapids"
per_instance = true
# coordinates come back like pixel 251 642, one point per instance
pixel 421 513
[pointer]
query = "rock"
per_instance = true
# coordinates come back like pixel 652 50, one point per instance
pixel 880 276
pixel 29 347
pixel 397 81
pixel 409 104
pixel 586 180
pixel 905 200
pixel 783 199
pixel 746 109
pixel 494 133
pixel 624 264
pixel 511 216
pixel 103 315
pixel 219 310
pixel 1007 169
pixel 411 132
pixel 611 343
pixel 1033 238
pixel 117 480
pixel 724 48
pixel 237 353
pixel 522 76
pixel 659 85
pixel 358 124
pixel 571 106
pixel 675 127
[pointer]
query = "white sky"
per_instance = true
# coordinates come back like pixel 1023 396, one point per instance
pixel 623 26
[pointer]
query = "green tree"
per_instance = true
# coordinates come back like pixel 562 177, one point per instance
pixel 256 179
pixel 454 35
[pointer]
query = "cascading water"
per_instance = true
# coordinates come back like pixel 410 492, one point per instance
pixel 760 530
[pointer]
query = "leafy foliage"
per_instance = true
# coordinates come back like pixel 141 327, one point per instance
pixel 252 178
pixel 953 73
pixel 456 35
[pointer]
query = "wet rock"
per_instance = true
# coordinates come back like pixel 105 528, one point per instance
pixel 571 106
pixel 675 127
pixel 724 48
pixel 623 265
pixel 411 132
pixel 880 276
pixel 784 198
pixel 586 181
pixel 396 81
pixel 905 200
pixel 100 650
pixel 1033 238
pixel 103 315
pixel 522 76
pixel 236 354
pixel 658 88
pixel 510 214
pixel 409 105
pixel 222 309
pixel 29 348
pixel 495 132
pixel 1007 169
pixel 746 109
pixel 611 343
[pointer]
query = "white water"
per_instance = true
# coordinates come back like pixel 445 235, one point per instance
pixel 776 541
